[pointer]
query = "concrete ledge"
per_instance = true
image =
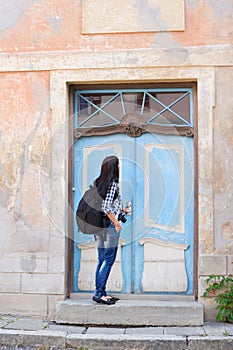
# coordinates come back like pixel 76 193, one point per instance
pixel 107 342
pixel 32 338
pixel 210 343
pixel 130 313
pixel 62 340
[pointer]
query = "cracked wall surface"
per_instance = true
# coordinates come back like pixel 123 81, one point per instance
pixel 40 41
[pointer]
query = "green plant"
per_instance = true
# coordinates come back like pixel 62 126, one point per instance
pixel 221 287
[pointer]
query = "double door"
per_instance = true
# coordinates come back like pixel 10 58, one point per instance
pixel 155 252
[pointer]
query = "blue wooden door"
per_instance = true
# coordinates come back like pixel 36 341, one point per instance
pixel 156 248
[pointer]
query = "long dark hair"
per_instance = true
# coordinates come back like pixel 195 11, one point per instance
pixel 109 172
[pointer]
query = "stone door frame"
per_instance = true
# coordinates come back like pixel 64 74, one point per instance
pixel 62 140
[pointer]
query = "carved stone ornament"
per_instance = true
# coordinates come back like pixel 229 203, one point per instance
pixel 133 125
pixel 133 130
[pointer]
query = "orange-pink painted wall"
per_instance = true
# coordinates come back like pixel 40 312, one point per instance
pixel 38 37
pixel 42 25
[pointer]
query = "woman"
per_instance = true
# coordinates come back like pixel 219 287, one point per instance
pixel 107 240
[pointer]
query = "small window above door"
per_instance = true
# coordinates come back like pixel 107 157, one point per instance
pixel 163 107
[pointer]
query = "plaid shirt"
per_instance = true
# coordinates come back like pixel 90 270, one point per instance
pixel 109 204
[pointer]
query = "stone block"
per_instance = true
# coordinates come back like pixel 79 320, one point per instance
pixel 26 239
pixel 102 330
pixel 24 304
pixel 210 311
pixel 66 328
pixel 228 329
pixel 202 285
pixel 212 264
pixel 56 264
pixel 145 331
pixel 126 312
pixel 46 338
pixel 123 342
pixel 27 324
pixel 9 283
pixel 206 236
pixel 43 283
pixel 16 262
pixel 230 265
pixel 213 329
pixel 52 301
pixel 57 243
pixel 184 331
pixel 210 343
pixel 3 322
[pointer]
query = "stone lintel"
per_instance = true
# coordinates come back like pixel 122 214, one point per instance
pixel 198 56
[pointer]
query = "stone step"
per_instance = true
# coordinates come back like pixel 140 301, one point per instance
pixel 130 313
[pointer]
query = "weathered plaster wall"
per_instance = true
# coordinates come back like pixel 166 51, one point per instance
pixel 41 25
pixel 216 249
pixel 223 165
pixel 42 48
pixel 25 126
pixel 29 254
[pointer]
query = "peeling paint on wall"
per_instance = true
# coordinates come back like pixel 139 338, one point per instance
pixel 11 12
pixel 33 203
pixel 27 26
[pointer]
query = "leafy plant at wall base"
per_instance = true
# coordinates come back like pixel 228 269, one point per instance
pixel 222 288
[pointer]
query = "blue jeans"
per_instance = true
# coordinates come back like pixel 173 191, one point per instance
pixel 107 243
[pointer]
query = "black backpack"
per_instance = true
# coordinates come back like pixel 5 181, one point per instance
pixel 89 216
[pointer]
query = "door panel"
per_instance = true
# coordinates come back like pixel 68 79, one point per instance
pixel 89 154
pixel 165 218
pixel 156 247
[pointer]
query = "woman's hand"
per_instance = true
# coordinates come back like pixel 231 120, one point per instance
pixel 118 226
pixel 115 222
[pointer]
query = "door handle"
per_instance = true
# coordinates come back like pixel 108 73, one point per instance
pixel 129 208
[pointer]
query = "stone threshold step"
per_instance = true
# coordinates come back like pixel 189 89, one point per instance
pixel 130 313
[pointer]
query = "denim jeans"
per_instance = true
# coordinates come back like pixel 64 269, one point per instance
pixel 107 243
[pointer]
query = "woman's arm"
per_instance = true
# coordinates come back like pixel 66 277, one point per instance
pixel 107 206
pixel 114 220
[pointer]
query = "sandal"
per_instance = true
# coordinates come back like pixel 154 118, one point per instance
pixel 103 301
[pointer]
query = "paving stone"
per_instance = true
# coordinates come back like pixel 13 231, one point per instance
pixel 106 330
pixel 145 330
pixel 3 323
pixel 184 331
pixel 8 319
pixel 65 328
pixel 228 328
pixel 27 325
pixel 214 328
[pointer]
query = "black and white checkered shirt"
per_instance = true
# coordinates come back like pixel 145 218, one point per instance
pixel 109 204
